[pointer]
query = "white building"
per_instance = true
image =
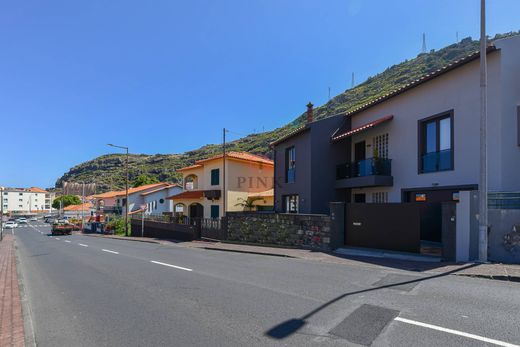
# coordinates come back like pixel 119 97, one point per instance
pixel 26 200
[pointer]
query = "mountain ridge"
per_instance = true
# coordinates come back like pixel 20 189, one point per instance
pixel 107 170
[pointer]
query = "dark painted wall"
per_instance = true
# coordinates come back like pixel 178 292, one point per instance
pixel 301 186
pixel 316 160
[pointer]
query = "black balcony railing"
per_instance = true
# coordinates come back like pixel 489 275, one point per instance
pixel 367 167
pixel 437 161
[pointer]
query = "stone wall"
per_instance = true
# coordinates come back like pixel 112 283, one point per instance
pixel 297 230
pixel 504 237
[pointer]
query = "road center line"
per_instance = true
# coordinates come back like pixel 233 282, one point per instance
pixel 58 238
pixel 456 332
pixel 67 241
pixel 170 265
pixel 109 251
pixel 81 244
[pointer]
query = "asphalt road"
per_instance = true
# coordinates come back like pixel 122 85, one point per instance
pixel 88 291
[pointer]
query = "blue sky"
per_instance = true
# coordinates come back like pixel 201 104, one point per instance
pixel 165 76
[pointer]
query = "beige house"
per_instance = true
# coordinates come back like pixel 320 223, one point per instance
pixel 246 184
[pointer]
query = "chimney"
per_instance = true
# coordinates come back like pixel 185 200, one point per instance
pixel 310 117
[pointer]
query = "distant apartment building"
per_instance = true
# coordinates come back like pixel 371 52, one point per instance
pixel 26 200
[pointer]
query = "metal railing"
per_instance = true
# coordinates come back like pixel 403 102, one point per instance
pixel 367 167
pixel 437 161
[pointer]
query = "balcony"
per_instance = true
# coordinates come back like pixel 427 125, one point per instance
pixel 365 173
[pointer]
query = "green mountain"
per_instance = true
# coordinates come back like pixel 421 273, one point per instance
pixel 108 170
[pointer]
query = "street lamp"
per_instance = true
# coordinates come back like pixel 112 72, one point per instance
pixel 126 186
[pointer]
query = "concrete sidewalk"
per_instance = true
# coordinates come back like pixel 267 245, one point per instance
pixel 11 317
pixel 506 272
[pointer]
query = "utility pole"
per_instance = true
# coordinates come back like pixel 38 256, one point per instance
pixel 82 206
pixel 2 213
pixel 483 184
pixel 224 172
pixel 126 186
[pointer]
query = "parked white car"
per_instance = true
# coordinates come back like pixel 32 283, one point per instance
pixel 33 219
pixel 10 225
pixel 22 220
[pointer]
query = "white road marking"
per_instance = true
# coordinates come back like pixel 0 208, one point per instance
pixel 170 265
pixel 58 238
pixel 81 244
pixel 456 332
pixel 67 241
pixel 109 251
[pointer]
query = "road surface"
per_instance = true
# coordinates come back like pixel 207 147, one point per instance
pixel 89 291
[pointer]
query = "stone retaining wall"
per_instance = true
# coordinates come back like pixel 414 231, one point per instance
pixel 297 230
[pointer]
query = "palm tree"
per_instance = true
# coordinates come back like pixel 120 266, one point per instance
pixel 249 203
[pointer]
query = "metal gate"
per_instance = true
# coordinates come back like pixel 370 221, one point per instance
pixel 393 226
pixel 213 228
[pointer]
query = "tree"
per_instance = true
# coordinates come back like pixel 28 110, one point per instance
pixel 67 201
pixel 249 203
pixel 142 180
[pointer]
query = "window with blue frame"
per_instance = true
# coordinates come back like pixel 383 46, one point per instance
pixel 215 211
pixel 290 165
pixel 215 177
pixel 436 143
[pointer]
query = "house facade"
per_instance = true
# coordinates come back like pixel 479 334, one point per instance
pixel 156 199
pixel 25 200
pixel 248 180
pixel 115 201
pixel 420 143
pixel 305 178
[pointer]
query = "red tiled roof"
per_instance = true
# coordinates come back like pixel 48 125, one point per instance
pixel 37 190
pixel 159 189
pixel 189 194
pixel 114 194
pixel 362 128
pixel 86 206
pixel 232 155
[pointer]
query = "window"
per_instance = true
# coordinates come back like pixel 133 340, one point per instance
pixel 380 197
pixel 161 201
pixel 215 211
pixel 215 177
pixel 420 197
pixel 290 165
pixel 380 146
pixel 436 143
pixel 291 203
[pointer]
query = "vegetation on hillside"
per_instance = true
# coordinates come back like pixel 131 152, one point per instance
pixel 108 170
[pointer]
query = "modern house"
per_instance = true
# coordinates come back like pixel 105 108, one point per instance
pixel 156 199
pixel 419 143
pixel 304 175
pixel 207 187
pixel 114 202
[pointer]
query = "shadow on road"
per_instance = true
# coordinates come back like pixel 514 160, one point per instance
pixel 291 326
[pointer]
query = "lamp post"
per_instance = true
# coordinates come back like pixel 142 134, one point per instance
pixel 126 186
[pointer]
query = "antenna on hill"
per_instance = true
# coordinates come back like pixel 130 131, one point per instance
pixel 457 35
pixel 423 43
pixel 329 93
pixel 353 81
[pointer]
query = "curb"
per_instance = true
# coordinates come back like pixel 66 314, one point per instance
pixel 30 337
pixel 505 278
pixel 119 238
pixel 247 252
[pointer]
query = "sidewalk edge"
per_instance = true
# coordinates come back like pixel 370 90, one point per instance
pixel 30 337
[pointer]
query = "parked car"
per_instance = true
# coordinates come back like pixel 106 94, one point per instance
pixel 10 225
pixel 49 220
pixel 22 220
pixel 33 219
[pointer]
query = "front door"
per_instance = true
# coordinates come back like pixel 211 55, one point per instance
pixel 360 198
pixel 196 211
